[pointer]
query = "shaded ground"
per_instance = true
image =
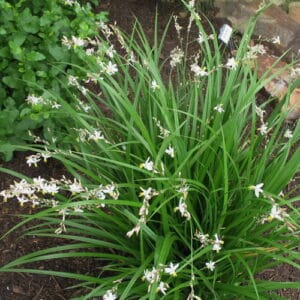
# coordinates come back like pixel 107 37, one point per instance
pixel 26 286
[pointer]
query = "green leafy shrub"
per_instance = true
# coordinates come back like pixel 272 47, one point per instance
pixel 32 55
pixel 177 185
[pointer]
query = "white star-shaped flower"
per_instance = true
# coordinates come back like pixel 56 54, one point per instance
pixel 257 189
pixel 210 265
pixel 171 269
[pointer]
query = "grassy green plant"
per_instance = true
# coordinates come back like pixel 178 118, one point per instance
pixel 178 183
pixel 32 57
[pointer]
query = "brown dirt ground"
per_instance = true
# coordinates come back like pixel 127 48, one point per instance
pixel 21 286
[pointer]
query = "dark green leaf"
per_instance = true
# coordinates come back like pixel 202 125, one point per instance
pixel 16 50
pixel 29 75
pixel 10 81
pixel 19 38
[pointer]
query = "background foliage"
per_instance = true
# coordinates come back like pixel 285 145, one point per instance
pixel 32 56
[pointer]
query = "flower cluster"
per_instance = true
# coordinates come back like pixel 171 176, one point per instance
pixel 182 206
pixel 38 100
pixel 163 132
pixel 40 192
pixel 263 129
pixel 85 135
pixel 205 241
pixel 198 71
pixel 219 108
pixel 154 276
pixel 147 195
pixel 101 193
pixel 25 191
pixel 73 42
pixel 276 212
pixel 74 81
pixel 71 2
pixel 34 159
pixel 176 56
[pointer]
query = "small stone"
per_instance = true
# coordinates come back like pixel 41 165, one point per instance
pixel 182 14
pixel 18 290
pixel 294 11
pixel 279 85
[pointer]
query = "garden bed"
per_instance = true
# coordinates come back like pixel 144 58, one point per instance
pixel 29 286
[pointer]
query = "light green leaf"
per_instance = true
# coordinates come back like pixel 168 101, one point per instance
pixel 35 56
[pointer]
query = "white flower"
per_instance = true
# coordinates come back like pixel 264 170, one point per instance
pixel 263 129
pixel 203 238
pixel 154 85
pixel 34 100
pixel 148 165
pixel 111 190
pixel 70 2
pixel 170 151
pixel 177 26
pixel 219 108
pixel 38 182
pixel 78 42
pixel 135 230
pixel 22 199
pixel 151 276
pixel 295 72
pixel 171 269
pixel 260 112
pixel 288 134
pixel 162 287
pixel 199 72
pixel 33 159
pixel 72 80
pixel 100 195
pixel 184 189
pixel 163 131
pixel 78 209
pixel 276 40
pixel 45 155
pixel 200 38
pixel 277 213
pixel 176 56
pixel 182 207
pixel 6 194
pixel 210 265
pixel 191 4
pixel 256 49
pixel 75 187
pixel 110 295
pixel 257 189
pixel 148 193
pixel 55 105
pixel 111 68
pixel 96 136
pixel 89 51
pixel 66 42
pixel 110 52
pixel 217 244
pixel 50 188
pixel 231 63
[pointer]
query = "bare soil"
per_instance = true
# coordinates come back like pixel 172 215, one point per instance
pixel 23 286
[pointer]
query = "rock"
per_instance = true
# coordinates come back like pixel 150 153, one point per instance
pixel 294 11
pixel 272 23
pixel 182 14
pixel 278 86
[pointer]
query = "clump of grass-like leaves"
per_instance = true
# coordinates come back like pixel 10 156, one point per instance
pixel 178 184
